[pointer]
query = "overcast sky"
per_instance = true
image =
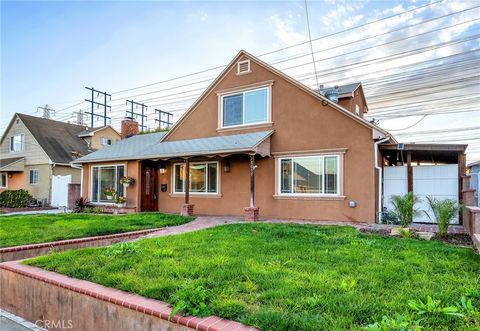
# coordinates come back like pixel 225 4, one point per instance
pixel 51 50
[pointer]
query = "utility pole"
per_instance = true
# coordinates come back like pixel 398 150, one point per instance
pixel 47 111
pixel 104 105
pixel 132 113
pixel 79 117
pixel 161 116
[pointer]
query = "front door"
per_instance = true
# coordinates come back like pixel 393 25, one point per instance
pixel 149 187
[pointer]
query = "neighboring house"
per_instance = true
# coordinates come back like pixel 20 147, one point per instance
pixel 256 142
pixel 36 155
pixel 475 179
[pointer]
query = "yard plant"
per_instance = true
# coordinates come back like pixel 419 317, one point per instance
pixel 15 198
pixel 444 212
pixel 31 229
pixel 288 277
pixel 404 207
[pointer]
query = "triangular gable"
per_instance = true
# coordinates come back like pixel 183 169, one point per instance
pixel 275 71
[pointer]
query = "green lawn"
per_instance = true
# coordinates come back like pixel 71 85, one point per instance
pixel 286 277
pixel 18 230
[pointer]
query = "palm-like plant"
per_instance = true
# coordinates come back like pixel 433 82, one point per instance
pixel 404 207
pixel 444 212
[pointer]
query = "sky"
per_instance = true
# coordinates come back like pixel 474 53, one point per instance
pixel 51 51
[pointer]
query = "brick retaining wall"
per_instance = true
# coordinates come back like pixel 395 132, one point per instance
pixel 27 251
pixel 36 294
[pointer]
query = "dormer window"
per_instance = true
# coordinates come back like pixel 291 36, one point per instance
pixel 105 141
pixel 243 67
pixel 245 107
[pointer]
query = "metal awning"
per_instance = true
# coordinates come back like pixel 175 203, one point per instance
pixel 148 146
pixel 12 164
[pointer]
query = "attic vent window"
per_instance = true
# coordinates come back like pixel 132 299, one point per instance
pixel 243 67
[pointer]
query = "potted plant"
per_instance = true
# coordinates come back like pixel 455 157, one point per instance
pixel 404 209
pixel 444 212
pixel 127 181
pixel 109 193
pixel 120 201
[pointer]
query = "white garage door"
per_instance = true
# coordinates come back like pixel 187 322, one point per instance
pixel 60 190
pixel 438 181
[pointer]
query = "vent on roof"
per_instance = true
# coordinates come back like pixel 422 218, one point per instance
pixel 243 67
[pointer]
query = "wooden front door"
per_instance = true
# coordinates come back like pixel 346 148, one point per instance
pixel 149 188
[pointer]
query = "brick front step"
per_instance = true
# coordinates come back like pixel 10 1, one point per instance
pixel 27 251
pixel 52 290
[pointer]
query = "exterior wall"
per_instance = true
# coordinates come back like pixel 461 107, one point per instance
pixel 301 123
pixel 107 132
pixel 350 103
pixel 33 153
pixel 64 171
pixel 20 180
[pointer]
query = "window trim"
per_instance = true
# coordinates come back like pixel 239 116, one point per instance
pixel 107 140
pixel 22 149
pixel 90 182
pixel 29 176
pixel 6 180
pixel 278 168
pixel 243 91
pixel 175 192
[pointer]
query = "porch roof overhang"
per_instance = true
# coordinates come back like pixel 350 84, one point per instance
pixel 444 153
pixel 12 164
pixel 145 148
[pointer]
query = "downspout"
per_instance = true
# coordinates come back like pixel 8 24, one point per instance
pixel 380 178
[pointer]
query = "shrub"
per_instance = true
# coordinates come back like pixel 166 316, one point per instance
pixel 389 217
pixel 87 210
pixel 15 198
pixel 98 210
pixel 80 205
pixel 404 207
pixel 190 299
pixel 444 212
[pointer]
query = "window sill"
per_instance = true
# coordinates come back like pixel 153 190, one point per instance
pixel 196 195
pixel 247 126
pixel 310 197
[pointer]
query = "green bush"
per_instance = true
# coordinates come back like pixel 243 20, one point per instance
pixel 15 198
pixel 404 207
pixel 444 212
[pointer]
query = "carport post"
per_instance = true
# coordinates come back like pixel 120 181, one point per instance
pixel 409 172
pixel 252 181
pixel 187 181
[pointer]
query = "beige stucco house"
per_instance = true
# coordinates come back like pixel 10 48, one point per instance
pixel 35 155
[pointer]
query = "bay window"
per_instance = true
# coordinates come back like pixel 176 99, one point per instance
pixel 203 177
pixel 244 108
pixel 309 175
pixel 106 177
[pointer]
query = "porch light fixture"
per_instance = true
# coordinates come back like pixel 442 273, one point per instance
pixel 226 165
pixel 163 168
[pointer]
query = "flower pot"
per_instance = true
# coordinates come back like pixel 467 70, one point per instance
pixel 126 185
pixel 121 205
pixel 109 197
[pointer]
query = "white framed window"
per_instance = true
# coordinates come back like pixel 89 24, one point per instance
pixel 3 180
pixel 105 141
pixel 309 175
pixel 33 177
pixel 17 143
pixel 107 176
pixel 245 107
pixel 203 177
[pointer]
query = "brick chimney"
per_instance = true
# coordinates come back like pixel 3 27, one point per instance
pixel 129 127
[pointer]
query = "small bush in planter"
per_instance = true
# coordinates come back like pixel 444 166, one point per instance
pixel 125 180
pixel 15 198
pixel 444 212
pixel 404 208
pixel 109 193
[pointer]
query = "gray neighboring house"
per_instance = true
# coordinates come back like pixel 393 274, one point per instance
pixel 475 179
pixel 35 155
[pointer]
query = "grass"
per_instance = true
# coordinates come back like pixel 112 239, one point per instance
pixel 18 230
pixel 285 277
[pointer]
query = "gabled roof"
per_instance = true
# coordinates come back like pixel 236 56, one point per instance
pixel 88 132
pixel 344 91
pixel 148 146
pixel 57 139
pixel 284 76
